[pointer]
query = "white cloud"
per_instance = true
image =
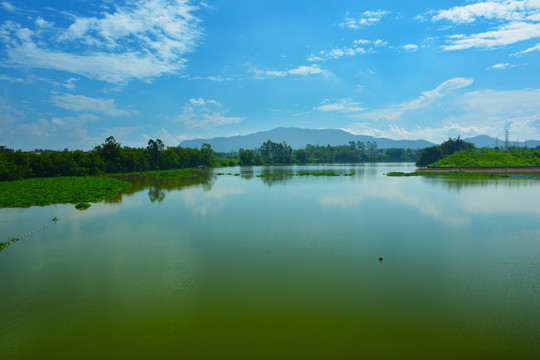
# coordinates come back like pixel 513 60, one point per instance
pixel 344 105
pixel 353 50
pixel 11 79
pixel 515 21
pixel 483 112
pixel 426 98
pixel 361 42
pixel 42 23
pixel 84 103
pixel 8 6
pixel 206 114
pixel 410 47
pixel 500 66
pixel 534 48
pixel 301 70
pixel 68 131
pixel 510 10
pixel 503 35
pixel 368 18
pixel 141 40
pixel 70 83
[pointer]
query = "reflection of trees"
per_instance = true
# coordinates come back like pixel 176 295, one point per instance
pixel 283 171
pixel 159 184
pixel 458 184
pixel 155 193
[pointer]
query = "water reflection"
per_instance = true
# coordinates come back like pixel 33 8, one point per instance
pixel 159 184
pixel 460 184
pixel 156 193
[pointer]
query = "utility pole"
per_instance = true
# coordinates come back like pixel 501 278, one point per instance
pixel 506 138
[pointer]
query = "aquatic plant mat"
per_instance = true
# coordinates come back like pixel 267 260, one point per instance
pixel 66 189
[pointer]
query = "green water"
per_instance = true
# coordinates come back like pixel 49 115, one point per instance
pixel 247 267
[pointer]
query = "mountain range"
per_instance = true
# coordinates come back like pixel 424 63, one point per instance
pixel 298 138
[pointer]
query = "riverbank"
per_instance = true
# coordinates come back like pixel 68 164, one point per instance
pixel 517 170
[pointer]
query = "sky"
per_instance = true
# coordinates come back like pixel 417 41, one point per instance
pixel 73 73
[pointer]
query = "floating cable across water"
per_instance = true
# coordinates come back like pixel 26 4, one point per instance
pixel 4 245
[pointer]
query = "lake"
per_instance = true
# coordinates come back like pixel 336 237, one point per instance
pixel 229 265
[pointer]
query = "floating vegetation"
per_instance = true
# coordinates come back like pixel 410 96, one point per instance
pixel 317 174
pixel 303 174
pixel 82 206
pixel 66 189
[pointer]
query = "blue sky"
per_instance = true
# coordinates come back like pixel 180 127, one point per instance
pixel 74 72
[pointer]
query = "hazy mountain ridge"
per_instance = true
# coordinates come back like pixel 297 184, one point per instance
pixel 298 138
pixel 487 141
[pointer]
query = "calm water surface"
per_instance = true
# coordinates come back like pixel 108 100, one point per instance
pixel 236 266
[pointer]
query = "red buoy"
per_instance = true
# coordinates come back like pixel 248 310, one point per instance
pixel 380 258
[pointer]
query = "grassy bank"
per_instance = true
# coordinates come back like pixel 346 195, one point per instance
pixel 66 189
pixel 491 158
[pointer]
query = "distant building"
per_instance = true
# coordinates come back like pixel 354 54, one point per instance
pixel 4 148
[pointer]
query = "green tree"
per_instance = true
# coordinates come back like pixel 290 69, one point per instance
pixel 246 157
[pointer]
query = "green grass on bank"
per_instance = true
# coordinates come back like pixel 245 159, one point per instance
pixel 491 158
pixel 55 190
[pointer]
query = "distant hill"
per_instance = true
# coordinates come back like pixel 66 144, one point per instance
pixel 298 139
pixel 487 141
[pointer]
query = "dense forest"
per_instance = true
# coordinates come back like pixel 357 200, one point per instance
pixel 281 153
pixel 109 157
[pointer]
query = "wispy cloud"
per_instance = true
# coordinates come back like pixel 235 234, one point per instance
pixel 140 40
pixel 500 66
pixel 299 71
pixel 368 18
pixel 483 112
pixel 510 10
pixel 11 79
pixel 517 21
pixel 70 83
pixel 531 49
pixel 7 6
pixel 343 105
pixel 358 47
pixel 206 114
pixel 426 98
pixel 502 35
pixel 79 103
pixel 410 47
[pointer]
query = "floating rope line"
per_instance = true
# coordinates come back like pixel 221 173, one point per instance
pixel 4 245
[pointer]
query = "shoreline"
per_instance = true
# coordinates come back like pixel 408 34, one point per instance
pixel 487 170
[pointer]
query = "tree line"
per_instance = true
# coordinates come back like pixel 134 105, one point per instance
pixel 432 154
pixel 109 157
pixel 281 153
